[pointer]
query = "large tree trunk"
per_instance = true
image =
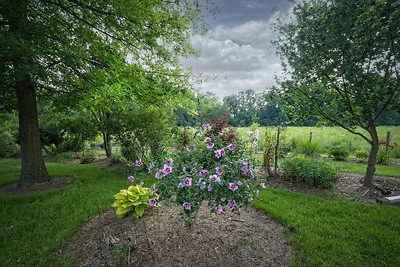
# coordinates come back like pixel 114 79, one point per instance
pixel 33 169
pixel 369 175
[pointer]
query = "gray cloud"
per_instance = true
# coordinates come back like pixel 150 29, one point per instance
pixel 237 53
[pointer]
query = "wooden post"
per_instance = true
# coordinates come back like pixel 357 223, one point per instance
pixel 276 149
pixel 387 140
pixel 310 137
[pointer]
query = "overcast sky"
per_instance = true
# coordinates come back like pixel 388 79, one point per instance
pixel 237 53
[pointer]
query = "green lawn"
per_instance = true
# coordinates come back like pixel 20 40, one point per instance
pixel 323 231
pixel 383 170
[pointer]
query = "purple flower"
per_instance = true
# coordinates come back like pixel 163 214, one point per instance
pixel 222 151
pixel 186 205
pixel 151 166
pixel 257 192
pixel 203 173
pixel 231 203
pixel 250 199
pixel 206 126
pixel 219 180
pixel 131 178
pixel 154 188
pixel 249 133
pixel 160 175
pixel 209 187
pixel 262 184
pixel 233 186
pixel 187 181
pixel 218 170
pixel 210 145
pixel 207 140
pixel 152 202
pixel 167 169
pixel 180 185
pixel 138 163
pixel 169 161
pixel 184 169
pixel 218 209
pixel 239 183
pixel 231 147
pixel 217 154
pixel 213 177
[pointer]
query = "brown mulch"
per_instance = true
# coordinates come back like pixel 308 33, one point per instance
pixel 160 238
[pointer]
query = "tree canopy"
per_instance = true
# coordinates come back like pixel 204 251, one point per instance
pixel 341 62
pixel 54 47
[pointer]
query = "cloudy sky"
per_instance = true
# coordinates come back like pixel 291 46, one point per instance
pixel 237 53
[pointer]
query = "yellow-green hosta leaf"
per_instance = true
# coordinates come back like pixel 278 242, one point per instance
pixel 139 211
pixel 121 212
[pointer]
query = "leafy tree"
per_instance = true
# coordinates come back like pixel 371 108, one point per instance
pixel 342 64
pixel 52 47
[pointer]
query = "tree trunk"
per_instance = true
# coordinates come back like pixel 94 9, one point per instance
pixel 369 175
pixel 33 169
pixel 107 144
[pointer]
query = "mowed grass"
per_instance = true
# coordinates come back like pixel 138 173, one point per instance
pixel 34 229
pixel 382 170
pixel 329 232
pixel 324 232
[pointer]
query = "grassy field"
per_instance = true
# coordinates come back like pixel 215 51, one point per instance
pixel 323 231
pixel 325 137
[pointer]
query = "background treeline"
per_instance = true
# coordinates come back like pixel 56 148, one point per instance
pixel 248 107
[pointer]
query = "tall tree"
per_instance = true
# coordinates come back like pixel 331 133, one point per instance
pixel 342 63
pixel 50 46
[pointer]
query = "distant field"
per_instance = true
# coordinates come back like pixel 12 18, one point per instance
pixel 326 137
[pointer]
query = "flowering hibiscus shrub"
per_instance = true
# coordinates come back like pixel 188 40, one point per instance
pixel 218 168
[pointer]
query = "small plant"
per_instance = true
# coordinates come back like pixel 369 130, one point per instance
pixel 115 159
pixel 312 171
pixel 361 154
pixel 383 156
pixel 134 200
pixel 339 152
pixel 310 149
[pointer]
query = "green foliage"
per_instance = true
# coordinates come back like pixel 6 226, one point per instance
pixel 384 156
pixel 8 135
pixel 268 151
pixel 303 146
pixel 133 200
pixel 312 171
pixel 115 159
pixel 66 156
pixel 146 133
pixel 339 152
pixel 361 154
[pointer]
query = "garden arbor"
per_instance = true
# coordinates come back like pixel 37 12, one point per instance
pixel 50 47
pixel 342 64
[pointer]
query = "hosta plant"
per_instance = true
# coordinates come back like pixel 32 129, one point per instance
pixel 134 200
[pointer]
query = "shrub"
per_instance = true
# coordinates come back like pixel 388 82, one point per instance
pixel 383 156
pixel 66 156
pixel 214 169
pixel 312 171
pixel 310 149
pixel 339 152
pixel 361 154
pixel 115 159
pixel 134 200
pixel 8 135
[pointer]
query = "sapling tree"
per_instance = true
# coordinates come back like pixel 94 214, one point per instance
pixel 341 62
